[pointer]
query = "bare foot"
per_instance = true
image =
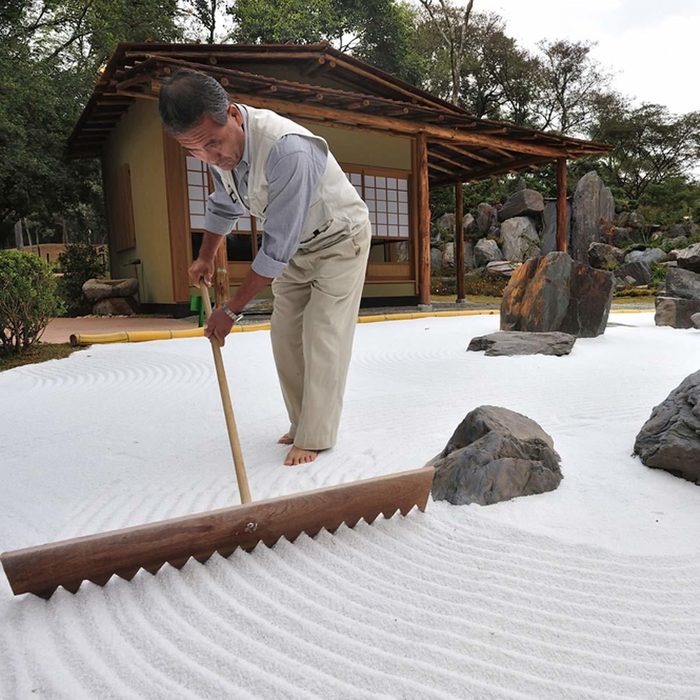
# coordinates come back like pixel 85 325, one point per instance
pixel 297 456
pixel 286 440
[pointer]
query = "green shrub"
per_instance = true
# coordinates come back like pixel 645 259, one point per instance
pixel 27 299
pixel 658 275
pixel 79 262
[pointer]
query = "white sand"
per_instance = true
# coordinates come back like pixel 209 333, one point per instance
pixel 589 591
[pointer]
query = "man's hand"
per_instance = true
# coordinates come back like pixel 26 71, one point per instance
pixel 218 326
pixel 201 269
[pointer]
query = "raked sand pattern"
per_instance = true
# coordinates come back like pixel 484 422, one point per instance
pixel 591 591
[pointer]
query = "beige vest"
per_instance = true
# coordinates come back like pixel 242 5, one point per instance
pixel 336 210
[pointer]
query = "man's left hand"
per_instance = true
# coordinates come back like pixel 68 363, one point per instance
pixel 218 326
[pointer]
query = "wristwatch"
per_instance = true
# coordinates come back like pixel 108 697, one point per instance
pixel 236 318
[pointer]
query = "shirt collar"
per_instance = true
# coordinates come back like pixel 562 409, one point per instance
pixel 245 158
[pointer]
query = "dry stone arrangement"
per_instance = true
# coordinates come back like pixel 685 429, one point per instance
pixel 681 299
pixel 494 455
pixel 499 237
pixel 110 297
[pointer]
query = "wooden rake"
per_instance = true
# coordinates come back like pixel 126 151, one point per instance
pixel 42 569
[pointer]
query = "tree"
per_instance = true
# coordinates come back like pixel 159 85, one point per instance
pixel 571 80
pixel 650 144
pixel 451 24
pixel 51 53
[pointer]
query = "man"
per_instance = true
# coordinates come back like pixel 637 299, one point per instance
pixel 315 243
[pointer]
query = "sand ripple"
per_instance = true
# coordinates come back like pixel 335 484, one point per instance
pixel 439 604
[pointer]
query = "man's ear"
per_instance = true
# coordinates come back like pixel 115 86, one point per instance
pixel 235 113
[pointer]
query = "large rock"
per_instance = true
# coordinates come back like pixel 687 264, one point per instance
pixel 670 439
pixel 648 256
pixel 689 258
pixel 495 455
pixel 682 283
pixel 604 256
pixel 115 306
pixel 519 239
pixel 695 319
pixel 486 251
pixel 95 289
pixel 436 256
pixel 522 203
pixel 501 268
pixel 510 343
pixel 593 211
pixel 443 228
pixel 554 293
pixel 549 226
pixel 486 217
pixel 675 312
pixel 639 272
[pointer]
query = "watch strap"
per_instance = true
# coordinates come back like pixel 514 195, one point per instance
pixel 236 318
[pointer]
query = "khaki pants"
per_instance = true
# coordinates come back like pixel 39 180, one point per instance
pixel 313 323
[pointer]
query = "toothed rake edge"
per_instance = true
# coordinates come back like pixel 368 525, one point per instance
pixel 42 569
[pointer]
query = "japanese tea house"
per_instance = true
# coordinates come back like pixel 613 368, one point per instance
pixel 393 140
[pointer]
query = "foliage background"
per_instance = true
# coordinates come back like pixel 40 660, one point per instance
pixel 51 52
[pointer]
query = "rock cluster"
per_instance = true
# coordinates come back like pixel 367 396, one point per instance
pixel 112 297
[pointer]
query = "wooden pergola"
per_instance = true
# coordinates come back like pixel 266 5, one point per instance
pixel 452 147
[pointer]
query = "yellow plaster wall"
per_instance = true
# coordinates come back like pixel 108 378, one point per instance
pixel 352 146
pixel 138 141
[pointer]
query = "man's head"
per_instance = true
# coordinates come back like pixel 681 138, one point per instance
pixel 196 110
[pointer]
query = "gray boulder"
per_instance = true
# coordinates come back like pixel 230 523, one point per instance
pixel 648 256
pixel 675 312
pixel 554 293
pixel 519 239
pixel 501 268
pixel 522 203
pixel 443 228
pixel 682 283
pixel 436 256
pixel 510 343
pixel 95 289
pixel 114 306
pixel 486 250
pixel 604 256
pixel 486 217
pixel 670 439
pixel 549 226
pixel 639 272
pixel 593 211
pixel 689 258
pixel 495 455
pixel 695 319
pixel 468 223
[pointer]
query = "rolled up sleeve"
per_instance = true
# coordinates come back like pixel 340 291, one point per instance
pixel 221 212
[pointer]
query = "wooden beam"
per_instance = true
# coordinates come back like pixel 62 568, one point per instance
pixel 409 127
pixel 465 154
pixel 423 193
pixel 434 166
pixel 459 239
pixel 562 238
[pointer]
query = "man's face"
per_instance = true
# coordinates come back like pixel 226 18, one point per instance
pixel 218 144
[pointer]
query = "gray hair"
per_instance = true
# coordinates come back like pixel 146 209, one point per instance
pixel 187 96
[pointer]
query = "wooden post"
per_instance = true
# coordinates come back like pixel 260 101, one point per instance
pixel 423 192
pixel 459 240
pixel 221 274
pixel 562 238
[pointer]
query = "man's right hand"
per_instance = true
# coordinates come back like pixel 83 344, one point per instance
pixel 201 270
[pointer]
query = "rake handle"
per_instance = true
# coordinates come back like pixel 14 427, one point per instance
pixel 236 452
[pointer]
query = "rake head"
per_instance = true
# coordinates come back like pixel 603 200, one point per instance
pixel 42 569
